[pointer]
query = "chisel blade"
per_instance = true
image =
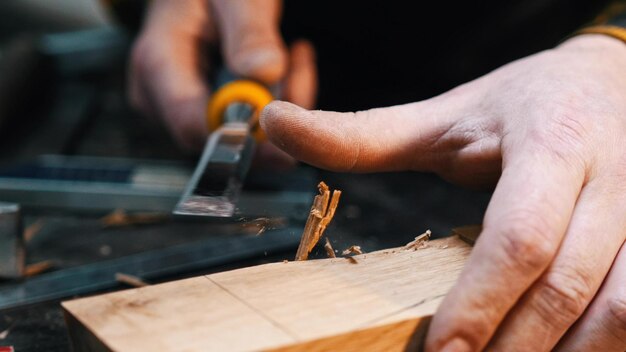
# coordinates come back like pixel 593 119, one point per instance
pixel 216 183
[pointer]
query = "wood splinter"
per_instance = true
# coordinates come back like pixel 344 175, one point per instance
pixel 419 241
pixel 322 212
pixel 330 252
pixel 352 250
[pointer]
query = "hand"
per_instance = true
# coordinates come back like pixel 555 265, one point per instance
pixel 170 60
pixel 549 270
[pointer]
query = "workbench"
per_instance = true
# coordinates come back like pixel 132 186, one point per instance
pixel 401 205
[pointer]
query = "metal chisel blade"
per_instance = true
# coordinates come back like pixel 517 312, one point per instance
pixel 216 183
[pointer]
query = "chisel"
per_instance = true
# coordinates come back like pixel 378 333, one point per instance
pixel 233 122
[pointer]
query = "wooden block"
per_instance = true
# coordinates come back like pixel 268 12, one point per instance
pixel 377 303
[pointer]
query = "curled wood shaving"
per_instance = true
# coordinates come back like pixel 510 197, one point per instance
pixel 130 280
pixel 322 212
pixel 352 250
pixel 419 241
pixel 330 252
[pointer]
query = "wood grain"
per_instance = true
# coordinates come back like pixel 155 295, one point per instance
pixel 330 304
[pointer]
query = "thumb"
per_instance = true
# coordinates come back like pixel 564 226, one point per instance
pixel 403 137
pixel 252 44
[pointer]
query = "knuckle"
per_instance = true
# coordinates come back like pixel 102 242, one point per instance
pixel 617 312
pixel 565 133
pixel 527 241
pixel 563 296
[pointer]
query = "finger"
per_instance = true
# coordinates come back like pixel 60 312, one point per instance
pixel 593 239
pixel 301 81
pixel 252 44
pixel 172 84
pixel 167 69
pixel 603 326
pixel 523 227
pixel 414 136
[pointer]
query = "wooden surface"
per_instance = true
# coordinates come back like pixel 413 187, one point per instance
pixel 319 305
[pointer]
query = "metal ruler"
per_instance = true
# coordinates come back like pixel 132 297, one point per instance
pixel 153 264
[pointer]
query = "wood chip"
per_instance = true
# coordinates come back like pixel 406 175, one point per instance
pixel 352 260
pixel 330 252
pixel 352 250
pixel 119 218
pixel 322 212
pixel 38 268
pixel 130 280
pixel 419 241
pixel 32 230
pixel 4 334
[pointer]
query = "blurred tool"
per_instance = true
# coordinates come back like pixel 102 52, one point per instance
pixel 99 184
pixel 233 120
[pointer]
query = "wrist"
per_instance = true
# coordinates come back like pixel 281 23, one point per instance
pixel 595 42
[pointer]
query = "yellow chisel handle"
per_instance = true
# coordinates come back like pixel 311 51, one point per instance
pixel 239 91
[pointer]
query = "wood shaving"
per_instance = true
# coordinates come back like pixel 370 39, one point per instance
pixel 419 241
pixel 285 261
pixel 119 218
pixel 38 268
pixel 330 252
pixel 322 212
pixel 130 280
pixel 352 250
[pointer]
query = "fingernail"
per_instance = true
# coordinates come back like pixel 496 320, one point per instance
pixel 457 345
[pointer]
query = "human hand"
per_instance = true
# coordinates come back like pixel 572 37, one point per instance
pixel 170 60
pixel 549 269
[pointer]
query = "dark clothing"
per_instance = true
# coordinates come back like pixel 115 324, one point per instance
pixel 384 52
